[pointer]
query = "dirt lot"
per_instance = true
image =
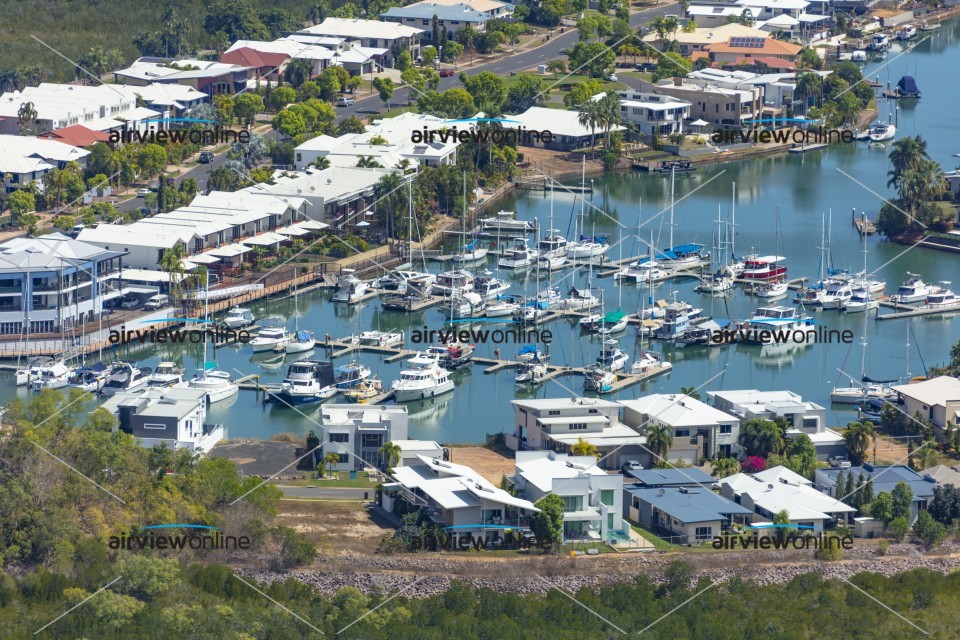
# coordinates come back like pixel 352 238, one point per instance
pixel 889 451
pixel 333 526
pixel 489 464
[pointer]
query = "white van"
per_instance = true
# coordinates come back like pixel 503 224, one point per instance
pixel 157 302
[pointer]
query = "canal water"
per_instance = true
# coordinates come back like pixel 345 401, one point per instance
pixel 796 190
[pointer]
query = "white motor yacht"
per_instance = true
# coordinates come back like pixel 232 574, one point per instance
pixel 489 287
pixel 350 289
pixel 519 257
pixel 269 339
pixel 35 370
pixel 942 298
pixel 837 294
pixel 642 271
pixel 398 280
pixel 453 282
pixel 611 357
pixel 422 378
pixel 125 377
pixel 380 338
pixel 504 223
pixel 91 379
pixel 913 290
pixel 650 360
pixel 861 301
pixel 464 305
pixel 532 372
pixel 578 300
pixel 167 374
pixel 238 318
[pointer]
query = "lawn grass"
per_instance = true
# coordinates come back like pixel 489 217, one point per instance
pixel 658 543
pixel 394 112
pixel 602 547
pixel 362 481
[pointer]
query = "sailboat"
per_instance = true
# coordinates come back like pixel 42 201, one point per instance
pixel 216 384
pixel 855 395
pixel 585 247
pixel 722 279
pixel 474 251
pixel 302 340
pixel 689 253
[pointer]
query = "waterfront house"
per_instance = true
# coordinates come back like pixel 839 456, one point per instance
pixel 936 400
pixel 336 194
pixel 410 449
pixel 775 491
pixel 698 39
pixel 365 33
pixel 687 515
pixel 883 478
pixel 564 126
pixel 592 498
pixel 668 477
pixel 457 498
pixel 171 416
pixel 715 104
pixel 750 50
pixel 699 430
pixel 356 433
pixel 801 416
pixel 26 159
pixel 270 58
pixel 652 112
pixel 558 424
pixel 53 283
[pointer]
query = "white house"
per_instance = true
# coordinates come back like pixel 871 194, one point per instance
pixel 652 112
pixel 457 498
pixel 171 416
pixel 356 432
pixel 936 400
pixel 802 416
pixel 772 491
pixel 374 34
pixel 101 108
pixel 411 449
pixel 699 430
pixel 558 424
pixel 592 498
pixel 26 159
pixel 566 131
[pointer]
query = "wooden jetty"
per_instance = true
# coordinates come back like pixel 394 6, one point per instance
pixel 863 225
pixel 907 311
pixel 549 184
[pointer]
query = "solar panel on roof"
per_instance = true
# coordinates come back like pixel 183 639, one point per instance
pixel 747 42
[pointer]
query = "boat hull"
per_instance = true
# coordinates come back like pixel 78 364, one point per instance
pixel 411 395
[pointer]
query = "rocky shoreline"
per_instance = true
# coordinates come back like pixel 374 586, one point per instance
pixel 425 575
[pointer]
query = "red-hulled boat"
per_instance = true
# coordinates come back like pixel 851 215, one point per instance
pixel 763 268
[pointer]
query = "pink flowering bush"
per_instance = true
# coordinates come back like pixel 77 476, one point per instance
pixel 754 464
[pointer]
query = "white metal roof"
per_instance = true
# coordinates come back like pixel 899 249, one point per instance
pixel 230 250
pixel 265 239
pixel 678 410
pixel 803 502
pixel 292 230
pixel 542 472
pixel 933 392
pixel 560 122
pixel 203 258
pixel 356 28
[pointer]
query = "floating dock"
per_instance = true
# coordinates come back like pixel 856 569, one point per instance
pixel 807 148
pixel 906 311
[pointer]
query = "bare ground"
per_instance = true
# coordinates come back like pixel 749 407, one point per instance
pixel 334 527
pixel 488 463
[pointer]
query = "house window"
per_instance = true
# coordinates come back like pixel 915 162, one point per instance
pixel 426 23
pixel 810 423
pixel 682 433
pixel 339 437
pixel 726 428
pixel 553 413
pixel 577 426
pixel 150 425
pixel 606 497
pixel 197 244
pixel 704 533
pixel 572 503
pixel 372 440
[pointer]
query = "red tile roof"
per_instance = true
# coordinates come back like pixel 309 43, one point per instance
pixel 247 57
pixel 773 63
pixel 77 135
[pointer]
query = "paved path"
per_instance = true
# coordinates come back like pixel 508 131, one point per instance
pixel 338 493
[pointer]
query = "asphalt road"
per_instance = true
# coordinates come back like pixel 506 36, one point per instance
pixel 506 66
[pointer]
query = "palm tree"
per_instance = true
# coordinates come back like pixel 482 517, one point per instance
pixel 906 154
pixel 926 457
pixel 609 107
pixel 367 162
pixel 330 460
pixel 809 84
pixel 391 453
pixel 171 262
pixel 590 117
pixel 583 448
pixel 690 392
pixel 27 114
pixel 858 436
pixel 659 441
pixel 723 467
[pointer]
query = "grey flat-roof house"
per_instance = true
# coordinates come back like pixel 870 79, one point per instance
pixel 172 416
pixel 356 432
pixel 693 514
pixel 884 478
pixel 657 478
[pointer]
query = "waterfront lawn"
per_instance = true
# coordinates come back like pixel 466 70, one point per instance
pixel 658 543
pixel 602 547
pixel 340 480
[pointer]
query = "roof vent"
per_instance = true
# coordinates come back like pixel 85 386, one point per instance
pixel 770 486
pixel 661 492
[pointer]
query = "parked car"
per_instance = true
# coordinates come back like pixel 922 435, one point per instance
pixel 563 52
pixel 446 73
pixel 344 101
pixel 130 302
pixel 75 231
pixel 612 77
pixel 646 66
pixel 206 157
pixel 840 462
pixel 631 465
pixel 141 193
pixel 157 302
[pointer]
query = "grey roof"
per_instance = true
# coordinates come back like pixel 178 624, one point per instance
pixel 426 11
pixel 671 477
pixel 690 505
pixel 885 478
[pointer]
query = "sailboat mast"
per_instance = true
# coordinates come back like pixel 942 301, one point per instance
pixel 673 172
pixel 733 223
